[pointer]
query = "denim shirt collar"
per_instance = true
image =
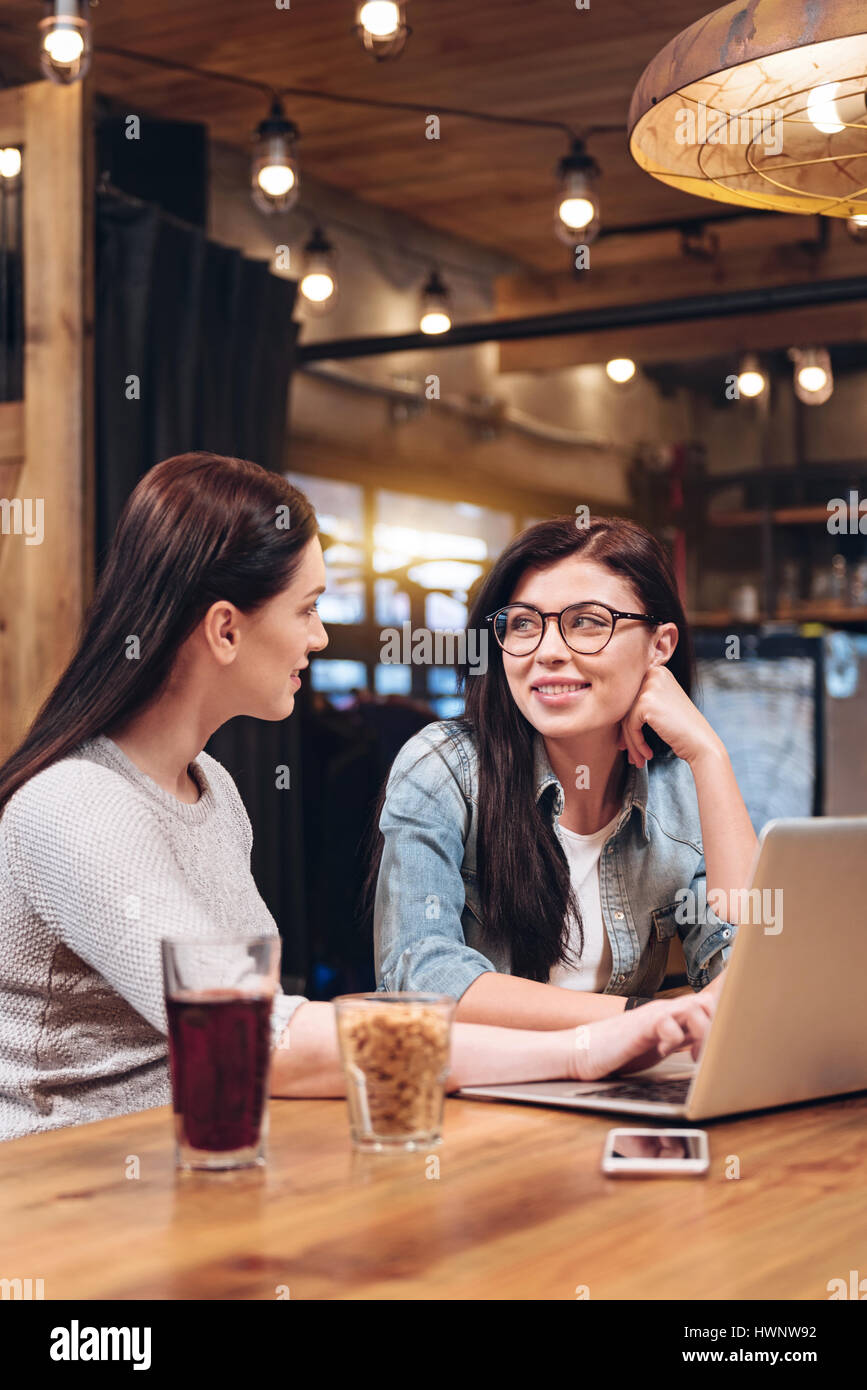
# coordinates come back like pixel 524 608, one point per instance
pixel 634 795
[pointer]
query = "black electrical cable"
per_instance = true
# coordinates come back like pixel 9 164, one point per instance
pixel 343 99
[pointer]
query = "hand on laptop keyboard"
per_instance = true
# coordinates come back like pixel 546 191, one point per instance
pixel 631 1041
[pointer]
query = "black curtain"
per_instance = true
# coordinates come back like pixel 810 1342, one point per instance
pixel 195 345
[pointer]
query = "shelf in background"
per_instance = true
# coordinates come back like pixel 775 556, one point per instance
pixel 783 516
pixel 812 612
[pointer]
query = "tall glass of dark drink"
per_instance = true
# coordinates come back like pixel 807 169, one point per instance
pixel 218 1001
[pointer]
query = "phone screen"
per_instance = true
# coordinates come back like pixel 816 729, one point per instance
pixel 662 1145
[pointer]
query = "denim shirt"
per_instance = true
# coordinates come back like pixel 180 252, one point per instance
pixel 427 916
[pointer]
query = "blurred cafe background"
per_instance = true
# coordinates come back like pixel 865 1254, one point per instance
pixel 349 247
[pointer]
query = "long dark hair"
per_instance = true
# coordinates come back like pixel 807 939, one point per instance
pixel 197 528
pixel 523 875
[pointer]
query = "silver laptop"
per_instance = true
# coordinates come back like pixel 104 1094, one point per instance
pixel 790 1022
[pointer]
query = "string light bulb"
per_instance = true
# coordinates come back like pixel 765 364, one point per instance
pixel 751 379
pixel 64 40
pixel 319 273
pixel 381 28
pixel 274 173
pixel 10 162
pixel 435 308
pixel 814 379
pixel 577 219
pixel 620 369
pixel 856 226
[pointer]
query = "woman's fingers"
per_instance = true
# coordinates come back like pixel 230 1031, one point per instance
pixel 636 757
pixel 694 1018
pixel 636 744
pixel 640 741
pixel 634 1041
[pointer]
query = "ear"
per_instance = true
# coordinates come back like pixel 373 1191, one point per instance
pixel 221 631
pixel 663 642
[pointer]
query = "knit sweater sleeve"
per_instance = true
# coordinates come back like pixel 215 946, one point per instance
pixel 92 862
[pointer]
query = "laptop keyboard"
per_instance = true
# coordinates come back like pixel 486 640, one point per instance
pixel 672 1092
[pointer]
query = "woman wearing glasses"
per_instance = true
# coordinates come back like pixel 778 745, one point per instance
pixel 535 857
pixel 117 829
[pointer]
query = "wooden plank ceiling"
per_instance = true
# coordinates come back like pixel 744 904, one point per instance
pixel 493 185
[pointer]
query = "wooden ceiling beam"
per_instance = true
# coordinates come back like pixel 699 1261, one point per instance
pixel 751 254
pixel 678 342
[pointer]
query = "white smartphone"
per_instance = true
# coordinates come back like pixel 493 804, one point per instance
pixel 643 1152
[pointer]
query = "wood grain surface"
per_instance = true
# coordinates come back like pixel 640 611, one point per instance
pixel 520 1210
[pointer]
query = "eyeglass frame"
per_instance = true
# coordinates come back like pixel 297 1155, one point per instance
pixel 597 603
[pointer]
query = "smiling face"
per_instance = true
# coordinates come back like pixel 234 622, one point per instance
pixel 563 693
pixel 277 641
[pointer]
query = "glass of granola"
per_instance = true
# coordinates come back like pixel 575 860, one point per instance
pixel 395 1050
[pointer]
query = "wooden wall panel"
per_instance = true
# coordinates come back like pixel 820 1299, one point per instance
pixel 44 587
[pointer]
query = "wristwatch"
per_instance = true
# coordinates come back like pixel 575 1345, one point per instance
pixel 636 1000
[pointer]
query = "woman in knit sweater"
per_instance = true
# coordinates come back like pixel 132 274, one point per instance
pixel 116 829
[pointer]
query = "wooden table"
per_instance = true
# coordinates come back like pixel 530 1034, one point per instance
pixel 520 1210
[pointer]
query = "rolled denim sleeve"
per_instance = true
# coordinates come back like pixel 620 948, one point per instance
pixel 707 939
pixel 419 942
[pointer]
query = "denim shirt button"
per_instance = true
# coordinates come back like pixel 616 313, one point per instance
pixel 610 849
pixel 620 979
pixel 725 933
pixel 618 916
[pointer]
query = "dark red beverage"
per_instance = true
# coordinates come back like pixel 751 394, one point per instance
pixel 219 1052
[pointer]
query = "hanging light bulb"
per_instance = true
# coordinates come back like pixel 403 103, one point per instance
pixel 65 46
pixel 751 379
pixel 10 163
pixel 319 279
pixel 435 310
pixel 382 28
pixel 822 109
pixel 620 369
pixel 577 217
pixel 814 380
pixel 275 167
pixel 856 226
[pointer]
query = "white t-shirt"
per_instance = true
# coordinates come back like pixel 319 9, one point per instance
pixel 593 971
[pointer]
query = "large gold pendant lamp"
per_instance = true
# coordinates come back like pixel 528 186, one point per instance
pixel 761 104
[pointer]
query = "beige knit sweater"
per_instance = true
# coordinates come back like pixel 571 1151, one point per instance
pixel 97 863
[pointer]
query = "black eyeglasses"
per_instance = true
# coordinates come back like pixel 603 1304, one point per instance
pixel 585 627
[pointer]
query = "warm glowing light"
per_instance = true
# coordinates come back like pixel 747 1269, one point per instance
pixel 435 322
pixel 444 574
pixel 751 383
pixel 406 541
pixel 276 179
pixel 318 280
pixel 859 218
pixel 317 287
pixel 63 45
pixel 274 171
pixel 822 109
pixel 436 316
pixel 384 561
pixel 381 18
pixel 342 554
pixel 10 163
pixel 812 378
pixel 620 369
pixel 576 212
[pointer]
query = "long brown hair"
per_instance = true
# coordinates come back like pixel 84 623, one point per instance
pixel 197 528
pixel 523 875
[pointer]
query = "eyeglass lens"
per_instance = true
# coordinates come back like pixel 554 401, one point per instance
pixel 586 628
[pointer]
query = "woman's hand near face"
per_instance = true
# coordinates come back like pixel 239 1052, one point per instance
pixel 663 704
